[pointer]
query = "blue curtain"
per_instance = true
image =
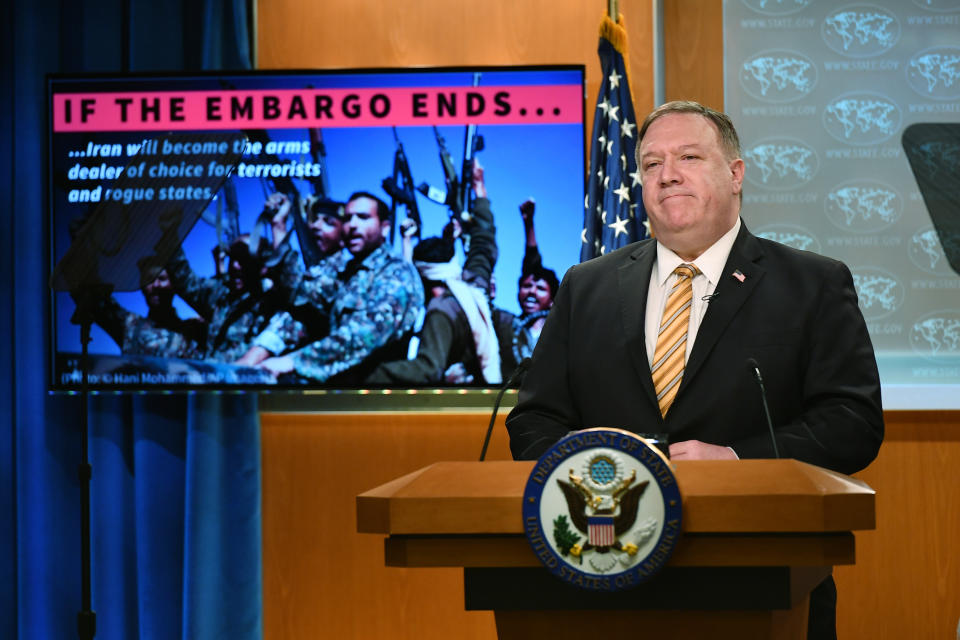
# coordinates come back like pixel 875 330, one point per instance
pixel 175 495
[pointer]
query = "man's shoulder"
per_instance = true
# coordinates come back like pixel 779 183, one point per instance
pixel 503 316
pixel 446 304
pixel 778 252
pixel 391 275
pixel 388 264
pixel 614 259
pixel 333 263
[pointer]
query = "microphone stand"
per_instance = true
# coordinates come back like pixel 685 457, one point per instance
pixel 519 371
pixel 81 272
pixel 766 408
pixel 86 299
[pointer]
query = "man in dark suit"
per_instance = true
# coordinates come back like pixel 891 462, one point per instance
pixel 794 313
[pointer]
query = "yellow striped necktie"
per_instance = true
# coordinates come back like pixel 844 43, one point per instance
pixel 668 357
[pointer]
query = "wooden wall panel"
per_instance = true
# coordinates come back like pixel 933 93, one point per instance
pixel 293 34
pixel 693 51
pixel 906 583
pixel 322 579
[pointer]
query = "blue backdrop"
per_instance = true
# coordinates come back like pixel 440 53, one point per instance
pixel 175 495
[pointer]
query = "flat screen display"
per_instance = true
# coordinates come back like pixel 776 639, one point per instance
pixel 346 229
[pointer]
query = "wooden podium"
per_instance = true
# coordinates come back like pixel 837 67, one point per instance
pixel 758 535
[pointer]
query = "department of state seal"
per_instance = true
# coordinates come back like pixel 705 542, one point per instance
pixel 601 509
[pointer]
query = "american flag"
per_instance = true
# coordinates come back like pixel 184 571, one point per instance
pixel 613 211
pixel 600 531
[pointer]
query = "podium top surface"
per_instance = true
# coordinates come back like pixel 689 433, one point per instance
pixel 721 496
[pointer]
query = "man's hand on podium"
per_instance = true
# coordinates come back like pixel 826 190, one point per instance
pixel 696 450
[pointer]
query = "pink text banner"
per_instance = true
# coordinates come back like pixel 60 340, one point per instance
pixel 296 108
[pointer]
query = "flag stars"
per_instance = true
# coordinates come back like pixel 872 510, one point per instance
pixel 614 210
pixel 619 226
pixel 623 192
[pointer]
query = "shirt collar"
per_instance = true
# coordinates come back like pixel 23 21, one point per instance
pixel 710 261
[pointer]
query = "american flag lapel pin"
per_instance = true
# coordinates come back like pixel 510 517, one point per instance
pixel 739 276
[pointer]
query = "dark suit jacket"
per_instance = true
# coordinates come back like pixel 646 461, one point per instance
pixel 795 313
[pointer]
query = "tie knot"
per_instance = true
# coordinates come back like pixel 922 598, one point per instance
pixel 687 271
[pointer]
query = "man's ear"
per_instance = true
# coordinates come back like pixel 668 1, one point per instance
pixel 737 170
pixel 385 229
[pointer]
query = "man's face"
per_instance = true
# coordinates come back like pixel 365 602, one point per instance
pixel 363 231
pixel 159 293
pixel 690 189
pixel 326 231
pixel 236 275
pixel 534 295
pixel 242 272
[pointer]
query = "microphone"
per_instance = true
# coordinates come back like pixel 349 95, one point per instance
pixel 519 371
pixel 710 297
pixel 763 396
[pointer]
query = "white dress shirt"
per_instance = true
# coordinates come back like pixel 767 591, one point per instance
pixel 662 279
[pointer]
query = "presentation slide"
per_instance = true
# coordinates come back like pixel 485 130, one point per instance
pixel 190 214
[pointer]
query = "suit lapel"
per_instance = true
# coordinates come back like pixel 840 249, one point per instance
pixel 633 279
pixel 730 295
